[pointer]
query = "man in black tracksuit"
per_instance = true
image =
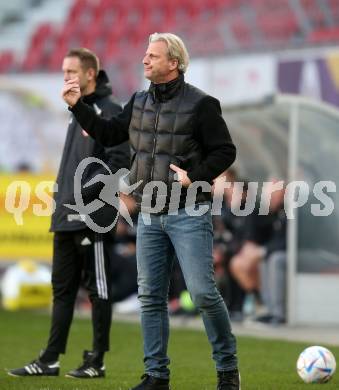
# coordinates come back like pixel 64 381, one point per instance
pixel 173 128
pixel 80 255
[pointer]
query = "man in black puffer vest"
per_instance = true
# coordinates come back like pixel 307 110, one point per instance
pixel 81 255
pixel 178 138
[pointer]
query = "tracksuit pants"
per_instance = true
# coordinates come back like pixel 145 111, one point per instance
pixel 81 258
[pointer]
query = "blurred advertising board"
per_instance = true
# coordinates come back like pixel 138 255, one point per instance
pixel 26 205
pixel 234 81
pixel 315 76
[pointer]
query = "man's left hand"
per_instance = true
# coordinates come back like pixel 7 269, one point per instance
pixel 181 175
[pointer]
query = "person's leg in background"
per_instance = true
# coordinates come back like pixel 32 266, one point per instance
pixel 236 299
pixel 244 266
pixel 265 315
pixel 96 251
pixel 66 277
pixel 123 276
pixel 273 288
pixel 264 285
pixel 277 285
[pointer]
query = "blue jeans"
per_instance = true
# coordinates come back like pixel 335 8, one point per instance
pixel 191 238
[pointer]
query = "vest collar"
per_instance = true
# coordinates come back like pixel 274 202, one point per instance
pixel 162 92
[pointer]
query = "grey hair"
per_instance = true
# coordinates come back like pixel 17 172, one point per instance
pixel 176 48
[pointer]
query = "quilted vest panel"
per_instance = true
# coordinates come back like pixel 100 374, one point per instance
pixel 162 134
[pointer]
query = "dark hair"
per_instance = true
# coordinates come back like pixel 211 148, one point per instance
pixel 87 58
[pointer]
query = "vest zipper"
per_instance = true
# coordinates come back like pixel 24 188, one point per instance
pixel 155 139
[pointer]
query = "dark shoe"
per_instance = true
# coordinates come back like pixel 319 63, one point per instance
pixel 277 321
pixel 88 369
pixel 228 380
pixel 151 383
pixel 264 318
pixel 270 320
pixel 37 368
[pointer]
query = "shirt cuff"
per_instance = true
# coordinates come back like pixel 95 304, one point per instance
pixel 76 106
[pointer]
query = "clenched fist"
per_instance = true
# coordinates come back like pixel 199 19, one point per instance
pixel 71 91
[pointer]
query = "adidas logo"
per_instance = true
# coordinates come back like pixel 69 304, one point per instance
pixel 86 241
pixel 92 372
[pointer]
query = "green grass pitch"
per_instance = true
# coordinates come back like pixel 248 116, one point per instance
pixel 264 364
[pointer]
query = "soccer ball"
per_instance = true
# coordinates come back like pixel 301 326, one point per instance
pixel 316 365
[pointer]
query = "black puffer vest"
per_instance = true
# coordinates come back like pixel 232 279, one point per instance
pixel 161 133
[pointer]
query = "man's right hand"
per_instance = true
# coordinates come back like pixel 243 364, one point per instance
pixel 71 91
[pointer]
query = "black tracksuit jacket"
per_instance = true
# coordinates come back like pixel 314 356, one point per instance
pixel 79 145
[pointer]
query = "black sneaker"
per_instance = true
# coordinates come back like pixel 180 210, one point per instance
pixel 265 318
pixel 151 383
pixel 37 368
pixel 270 320
pixel 88 369
pixel 228 380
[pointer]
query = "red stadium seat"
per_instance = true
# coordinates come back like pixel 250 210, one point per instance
pixel 277 27
pixel 241 31
pixel 334 6
pixel 314 12
pixel 7 61
pixel 324 35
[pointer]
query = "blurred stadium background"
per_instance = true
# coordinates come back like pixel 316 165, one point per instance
pixel 274 65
